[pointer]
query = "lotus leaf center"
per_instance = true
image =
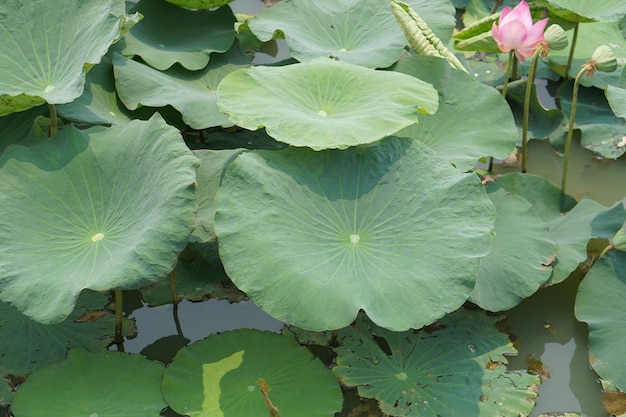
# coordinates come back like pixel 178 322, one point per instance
pixel 48 89
pixel 97 237
pixel 251 388
pixel 401 376
pixel 355 239
pixel 322 113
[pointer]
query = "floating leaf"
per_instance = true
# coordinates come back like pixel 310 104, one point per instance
pixel 169 34
pixel 223 375
pixel 45 48
pixel 92 210
pixel 571 231
pixel 328 233
pixel 324 103
pixel 89 384
pixel 457 368
pixel 519 261
pixel 363 32
pixel 600 303
pixel 472 121
pixel 193 93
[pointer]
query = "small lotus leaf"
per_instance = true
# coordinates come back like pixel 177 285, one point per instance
pixel 96 210
pixel 473 120
pixel 600 303
pixel 324 103
pixel 199 4
pixel 328 233
pixel 571 231
pixel 226 375
pixel 192 93
pixel 45 48
pixel 82 385
pixel 456 367
pixel 602 132
pixel 362 32
pixel 170 34
pixel 17 128
pixel 520 257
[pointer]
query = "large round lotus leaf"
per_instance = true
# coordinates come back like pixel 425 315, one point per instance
pixel 168 34
pixel 520 257
pixel 105 384
pixel 473 120
pixel 44 48
pixel 362 32
pixel 226 375
pixel 192 93
pixel 324 103
pixel 579 10
pixel 457 367
pixel 600 303
pixel 312 237
pixel 571 231
pixel 100 211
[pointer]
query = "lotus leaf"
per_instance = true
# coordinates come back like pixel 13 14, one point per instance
pixel 600 303
pixel 375 228
pixel 585 10
pixel 199 4
pixel 324 103
pixel 89 384
pixel 241 372
pixel 602 132
pixel 473 120
pixel 192 93
pixel 96 210
pixel 571 232
pixel 18 128
pixel 45 48
pixel 520 257
pixel 456 367
pixel 362 32
pixel 169 34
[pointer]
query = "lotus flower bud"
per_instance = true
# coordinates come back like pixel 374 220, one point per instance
pixel 604 58
pixel 556 37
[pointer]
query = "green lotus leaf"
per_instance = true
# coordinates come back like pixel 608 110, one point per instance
pixel 600 303
pixel 88 327
pixel 455 368
pixel 473 120
pixel 328 233
pixel 590 36
pixel 193 93
pixel 602 132
pixel 585 10
pixel 324 103
pixel 212 166
pixel 616 98
pixel 519 261
pixel 226 374
pixel 82 385
pixel 45 48
pixel 17 128
pixel 99 103
pixel 362 32
pixel 98 210
pixel 169 34
pixel 571 231
pixel 199 4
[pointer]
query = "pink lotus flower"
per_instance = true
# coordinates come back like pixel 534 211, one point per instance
pixel 515 31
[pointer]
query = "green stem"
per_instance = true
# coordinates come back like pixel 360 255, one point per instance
pixel 172 277
pixel 514 69
pixel 496 4
pixel 507 75
pixel 570 131
pixel 571 51
pixel 606 250
pixel 529 87
pixel 119 316
pixel 53 119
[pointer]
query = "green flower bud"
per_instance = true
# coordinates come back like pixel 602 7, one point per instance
pixel 556 37
pixel 604 58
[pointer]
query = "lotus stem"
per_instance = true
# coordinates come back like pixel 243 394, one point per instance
pixel 507 75
pixel 496 4
pixel 570 131
pixel 529 86
pixel 53 119
pixel 514 69
pixel 606 250
pixel 172 277
pixel 119 316
pixel 571 51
